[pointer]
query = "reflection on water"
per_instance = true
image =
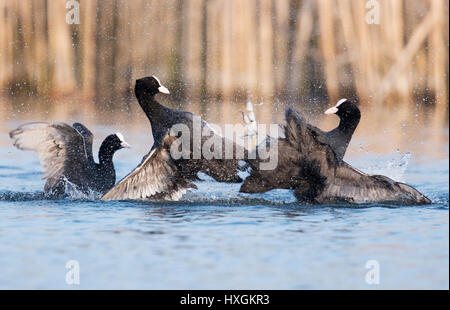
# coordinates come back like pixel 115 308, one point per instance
pixel 218 238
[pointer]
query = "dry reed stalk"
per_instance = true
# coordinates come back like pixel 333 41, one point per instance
pixel 327 44
pixel 194 43
pixel 266 71
pixel 40 53
pixel 402 83
pixel 353 49
pixel 26 42
pixel 419 78
pixel 88 30
pixel 238 53
pixel 213 55
pixel 60 52
pixel 227 77
pixel 229 62
pixel 440 63
pixel 406 56
pixel 305 29
pixel 251 46
pixel 368 49
pixel 280 16
pixel 5 51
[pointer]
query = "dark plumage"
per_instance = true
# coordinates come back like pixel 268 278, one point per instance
pixel 339 138
pixel 160 176
pixel 66 156
pixel 310 167
pixel 349 115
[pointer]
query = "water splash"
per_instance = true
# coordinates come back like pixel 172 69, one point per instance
pixel 76 193
pixel 395 168
pixel 73 192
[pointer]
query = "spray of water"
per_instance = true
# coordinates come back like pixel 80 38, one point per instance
pixel 395 168
pixel 75 193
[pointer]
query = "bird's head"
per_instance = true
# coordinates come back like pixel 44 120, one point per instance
pixel 344 108
pixel 116 142
pixel 150 85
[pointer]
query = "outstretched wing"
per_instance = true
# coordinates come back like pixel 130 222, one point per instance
pixel 303 136
pixel 157 177
pixel 61 148
pixel 350 185
pixel 88 138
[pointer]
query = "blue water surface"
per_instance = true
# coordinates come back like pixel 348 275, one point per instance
pixel 216 238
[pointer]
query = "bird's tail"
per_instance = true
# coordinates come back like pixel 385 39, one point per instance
pixel 416 196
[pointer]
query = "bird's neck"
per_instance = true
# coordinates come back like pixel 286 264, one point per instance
pixel 105 168
pixel 348 123
pixel 150 106
pixel 105 156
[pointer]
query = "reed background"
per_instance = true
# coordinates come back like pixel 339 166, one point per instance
pixel 215 54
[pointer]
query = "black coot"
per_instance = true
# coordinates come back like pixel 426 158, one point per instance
pixel 349 115
pixel 65 154
pixel 160 176
pixel 317 175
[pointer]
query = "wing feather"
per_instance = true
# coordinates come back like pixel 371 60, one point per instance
pixel 60 147
pixel 156 178
pixel 88 139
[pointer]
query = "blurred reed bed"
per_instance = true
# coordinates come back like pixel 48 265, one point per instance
pixel 215 54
